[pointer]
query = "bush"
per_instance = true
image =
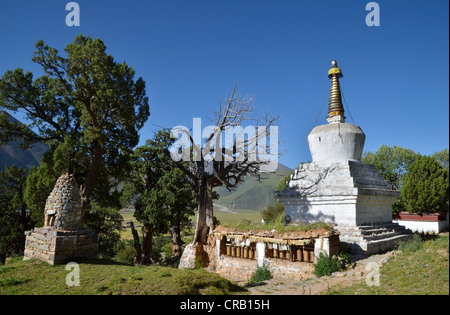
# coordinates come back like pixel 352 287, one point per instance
pixel 342 256
pixel 272 213
pixel 326 265
pixel 126 255
pixel 413 245
pixel 426 187
pixel 161 244
pixel 260 274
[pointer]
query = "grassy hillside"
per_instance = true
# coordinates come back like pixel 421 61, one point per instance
pixel 252 194
pixel 106 277
pixel 420 268
pixel 236 216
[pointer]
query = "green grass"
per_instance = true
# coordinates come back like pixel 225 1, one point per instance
pixel 224 218
pixel 422 268
pixel 107 277
pixel 128 216
pixel 252 194
pixel 279 227
pixel 125 234
pixel 227 218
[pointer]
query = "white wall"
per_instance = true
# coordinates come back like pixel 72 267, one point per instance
pixel 422 226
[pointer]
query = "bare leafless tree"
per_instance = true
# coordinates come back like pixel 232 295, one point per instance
pixel 246 152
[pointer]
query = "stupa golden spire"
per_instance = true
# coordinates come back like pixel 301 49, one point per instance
pixel 335 107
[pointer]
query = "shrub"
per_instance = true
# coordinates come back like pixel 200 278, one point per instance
pixel 271 213
pixel 162 244
pixel 126 255
pixel 343 258
pixel 412 245
pixel 326 265
pixel 426 187
pixel 260 274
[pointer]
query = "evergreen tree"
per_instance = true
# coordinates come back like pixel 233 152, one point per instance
pixel 426 187
pixel 14 219
pixel 87 107
pixel 163 198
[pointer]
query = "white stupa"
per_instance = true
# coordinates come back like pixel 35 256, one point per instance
pixel 338 188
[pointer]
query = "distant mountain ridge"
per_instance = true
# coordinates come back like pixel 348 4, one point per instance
pixel 12 154
pixel 253 194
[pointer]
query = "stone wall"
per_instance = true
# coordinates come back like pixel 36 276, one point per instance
pixel 235 268
pixel 242 269
pixel 56 247
pixel 238 256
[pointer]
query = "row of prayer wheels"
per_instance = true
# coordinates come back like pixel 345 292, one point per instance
pixel 242 252
pixel 296 253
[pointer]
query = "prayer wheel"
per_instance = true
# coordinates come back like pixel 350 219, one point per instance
pixel 245 252
pixel 229 250
pixel 299 254
pixel 233 251
pixel 305 255
pixel 251 253
pixel 275 253
pixel 238 251
pixel 281 253
pixel 288 255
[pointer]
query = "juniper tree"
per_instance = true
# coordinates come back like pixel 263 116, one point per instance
pixel 87 107
pixel 426 187
pixel 14 219
pixel 162 196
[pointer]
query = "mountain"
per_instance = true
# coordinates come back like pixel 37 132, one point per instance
pixel 12 154
pixel 253 194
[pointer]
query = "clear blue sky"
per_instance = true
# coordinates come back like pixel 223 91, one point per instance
pixel 190 53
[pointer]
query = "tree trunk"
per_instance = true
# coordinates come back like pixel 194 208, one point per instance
pixel 175 231
pixel 147 247
pixel 205 219
pixel 88 186
pixel 144 253
pixel 23 226
pixel 137 244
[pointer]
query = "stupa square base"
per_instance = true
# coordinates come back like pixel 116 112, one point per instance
pixel 56 246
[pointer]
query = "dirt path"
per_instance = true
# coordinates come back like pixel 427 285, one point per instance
pixel 315 286
pixel 224 209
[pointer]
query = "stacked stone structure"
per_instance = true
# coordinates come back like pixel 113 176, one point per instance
pixel 62 237
pixel 63 206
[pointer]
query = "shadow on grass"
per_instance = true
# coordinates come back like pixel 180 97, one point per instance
pixel 100 261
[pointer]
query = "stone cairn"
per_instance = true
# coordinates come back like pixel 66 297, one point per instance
pixel 63 206
pixel 62 237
